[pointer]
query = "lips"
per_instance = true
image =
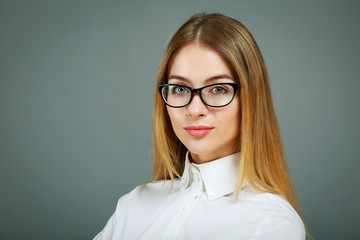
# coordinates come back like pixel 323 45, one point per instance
pixel 198 131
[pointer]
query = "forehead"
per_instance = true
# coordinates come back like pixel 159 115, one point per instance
pixel 198 63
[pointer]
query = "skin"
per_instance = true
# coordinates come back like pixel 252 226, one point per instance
pixel 194 66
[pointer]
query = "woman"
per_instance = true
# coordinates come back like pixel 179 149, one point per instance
pixel 219 167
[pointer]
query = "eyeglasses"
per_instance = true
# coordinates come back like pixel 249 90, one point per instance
pixel 214 95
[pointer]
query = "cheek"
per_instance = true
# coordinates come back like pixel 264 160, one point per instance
pixel 230 119
pixel 174 115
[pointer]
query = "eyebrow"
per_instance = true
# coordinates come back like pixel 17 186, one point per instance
pixel 222 76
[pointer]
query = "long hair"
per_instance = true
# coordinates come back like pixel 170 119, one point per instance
pixel 262 161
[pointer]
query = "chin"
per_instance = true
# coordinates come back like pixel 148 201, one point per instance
pixel 201 149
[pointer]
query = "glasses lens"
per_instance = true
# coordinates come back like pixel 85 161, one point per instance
pixel 176 95
pixel 218 95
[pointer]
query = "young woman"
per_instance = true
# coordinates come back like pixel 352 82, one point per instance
pixel 219 167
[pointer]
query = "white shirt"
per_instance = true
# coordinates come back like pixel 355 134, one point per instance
pixel 201 205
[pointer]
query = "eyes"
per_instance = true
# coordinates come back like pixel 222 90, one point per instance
pixel 214 95
pixel 212 89
pixel 180 90
pixel 218 90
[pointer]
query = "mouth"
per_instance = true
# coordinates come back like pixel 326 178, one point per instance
pixel 198 131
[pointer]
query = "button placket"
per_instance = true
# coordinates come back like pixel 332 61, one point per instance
pixel 196 177
pixel 197 186
pixel 195 190
pixel 197 183
pixel 191 196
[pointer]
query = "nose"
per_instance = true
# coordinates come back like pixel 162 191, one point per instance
pixel 196 108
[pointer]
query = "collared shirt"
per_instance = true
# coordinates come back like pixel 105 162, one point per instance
pixel 201 205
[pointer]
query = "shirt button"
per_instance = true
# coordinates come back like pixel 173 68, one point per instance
pixel 187 206
pixel 196 177
pixel 193 170
pixel 212 195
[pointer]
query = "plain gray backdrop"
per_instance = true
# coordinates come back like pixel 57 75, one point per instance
pixel 76 88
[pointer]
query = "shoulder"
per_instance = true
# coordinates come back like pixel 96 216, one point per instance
pixel 279 220
pixel 156 189
pixel 287 220
pixel 148 194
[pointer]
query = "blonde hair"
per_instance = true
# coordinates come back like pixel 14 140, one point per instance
pixel 262 161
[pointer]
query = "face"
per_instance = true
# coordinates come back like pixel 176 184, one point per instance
pixel 208 133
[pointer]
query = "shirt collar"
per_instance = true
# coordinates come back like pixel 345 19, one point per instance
pixel 220 177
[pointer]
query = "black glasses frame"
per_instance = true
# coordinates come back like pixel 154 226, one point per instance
pixel 198 91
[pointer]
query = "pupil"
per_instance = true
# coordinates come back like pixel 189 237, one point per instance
pixel 218 90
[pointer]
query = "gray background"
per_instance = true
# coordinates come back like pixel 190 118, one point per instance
pixel 76 90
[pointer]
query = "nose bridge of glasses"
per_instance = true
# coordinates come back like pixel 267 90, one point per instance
pixel 196 93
